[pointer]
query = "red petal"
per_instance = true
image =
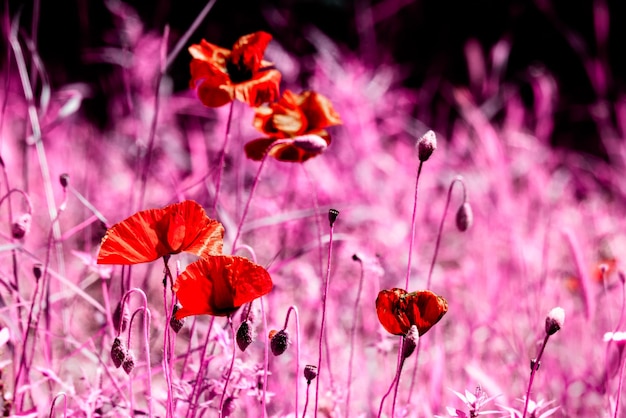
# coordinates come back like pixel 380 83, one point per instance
pixel 262 88
pixel 397 310
pixel 220 285
pixel 134 240
pixel 211 54
pixel 389 312
pixel 249 49
pixel 256 149
pixel 318 110
pixel 213 86
pixel 424 309
pixel 154 233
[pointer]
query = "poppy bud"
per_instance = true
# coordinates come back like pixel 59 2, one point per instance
pixel 129 362
pixel 21 226
pixel 464 217
pixel 534 363
pixel 310 373
pixel 244 335
pixel 118 353
pixel 410 341
pixel 228 407
pixel 176 324
pixel 37 270
pixel 313 144
pixel 64 179
pixel 426 145
pixel 279 341
pixel 332 216
pixel 120 318
pixel 554 320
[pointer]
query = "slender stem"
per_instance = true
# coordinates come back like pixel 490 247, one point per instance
pixel 295 312
pixel 396 378
pixel 232 363
pixel 440 232
pixel 412 240
pixel 195 392
pixel 617 327
pixel 252 190
pixel 52 407
pixel 619 386
pixel 533 370
pixel 218 181
pixel 324 295
pixel 167 352
pixel 306 400
pixel 355 311
pixel 266 358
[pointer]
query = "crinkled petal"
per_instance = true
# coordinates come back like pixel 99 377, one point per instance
pixel 318 110
pixel 249 49
pixel 211 54
pixel 262 88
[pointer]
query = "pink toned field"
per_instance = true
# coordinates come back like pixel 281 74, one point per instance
pixel 546 231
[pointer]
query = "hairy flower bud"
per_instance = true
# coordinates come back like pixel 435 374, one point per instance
pixel 21 226
pixel 129 362
pixel 279 341
pixel 555 320
pixel 229 406
pixel 464 217
pixel 426 145
pixel 410 341
pixel 310 143
pixel 310 373
pixel 118 352
pixel 244 335
pixel 37 270
pixel 64 179
pixel 176 324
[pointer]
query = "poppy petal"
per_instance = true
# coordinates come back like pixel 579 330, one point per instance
pixel 256 149
pixel 249 49
pixel 209 53
pixel 213 87
pixel 220 285
pixel 318 110
pixel 424 309
pixel 397 310
pixel 154 233
pixel 262 88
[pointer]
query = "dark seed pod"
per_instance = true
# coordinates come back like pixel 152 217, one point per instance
pixel 64 179
pixel 244 335
pixel 332 216
pixel 129 363
pixel 37 270
pixel 426 145
pixel 21 226
pixel 229 406
pixel 310 373
pixel 176 324
pixel 118 353
pixel 464 217
pixel 279 342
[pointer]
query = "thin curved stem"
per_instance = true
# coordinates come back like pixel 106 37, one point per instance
pixel 533 370
pixel 324 296
pixel 353 333
pixel 232 364
pixel 295 312
pixel 266 358
pixel 396 378
pixel 413 217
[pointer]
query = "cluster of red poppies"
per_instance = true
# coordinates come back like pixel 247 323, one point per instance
pixel 298 121
pixel 215 284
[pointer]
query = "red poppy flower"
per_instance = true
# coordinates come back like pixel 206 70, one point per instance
pixel 397 310
pixel 220 76
pixel 219 285
pixel 292 117
pixel 154 233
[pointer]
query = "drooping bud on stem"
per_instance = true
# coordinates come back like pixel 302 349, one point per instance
pixel 129 362
pixel 37 270
pixel 464 217
pixel 118 353
pixel 64 179
pixel 21 226
pixel 176 324
pixel 120 318
pixel 279 341
pixel 244 335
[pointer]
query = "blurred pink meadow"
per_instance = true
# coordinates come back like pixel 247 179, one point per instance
pixel 547 232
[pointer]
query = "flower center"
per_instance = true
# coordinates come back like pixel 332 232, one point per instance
pixel 238 72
